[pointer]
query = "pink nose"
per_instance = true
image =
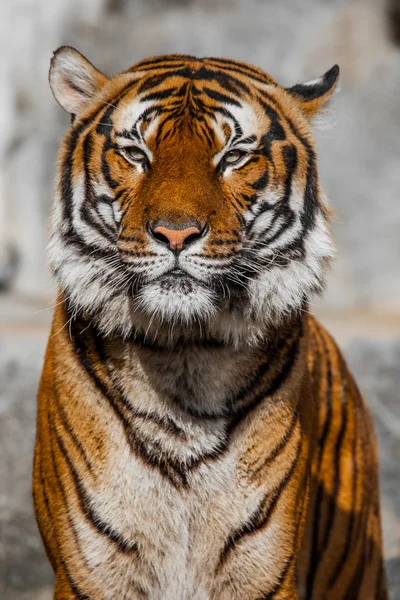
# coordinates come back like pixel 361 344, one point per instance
pixel 176 239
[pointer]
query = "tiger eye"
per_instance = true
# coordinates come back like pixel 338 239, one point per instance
pixel 135 153
pixel 233 156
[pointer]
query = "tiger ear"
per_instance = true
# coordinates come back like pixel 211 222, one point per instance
pixel 74 81
pixel 313 95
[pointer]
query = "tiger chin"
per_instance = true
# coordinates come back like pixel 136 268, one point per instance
pixel 199 436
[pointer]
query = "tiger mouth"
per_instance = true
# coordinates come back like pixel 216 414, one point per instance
pixel 178 281
pixel 178 273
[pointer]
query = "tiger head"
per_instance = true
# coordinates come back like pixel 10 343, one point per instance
pixel 188 197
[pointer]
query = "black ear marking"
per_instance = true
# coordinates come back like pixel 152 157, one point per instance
pixel 312 95
pixel 313 90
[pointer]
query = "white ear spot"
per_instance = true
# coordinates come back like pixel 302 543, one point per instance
pixel 74 81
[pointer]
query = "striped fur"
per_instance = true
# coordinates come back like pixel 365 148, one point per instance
pixel 199 435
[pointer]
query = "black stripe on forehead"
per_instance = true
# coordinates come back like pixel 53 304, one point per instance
pixel 160 95
pixel 225 80
pixel 242 69
pixel 173 109
pixel 172 61
pixel 158 61
pixel 229 62
pixel 218 97
pixel 199 108
pixel 153 81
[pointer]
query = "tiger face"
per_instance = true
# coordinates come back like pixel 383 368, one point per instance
pixel 188 197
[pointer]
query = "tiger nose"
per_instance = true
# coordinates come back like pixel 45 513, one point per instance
pixel 176 239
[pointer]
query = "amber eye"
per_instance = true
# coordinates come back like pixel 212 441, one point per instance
pixel 134 154
pixel 232 158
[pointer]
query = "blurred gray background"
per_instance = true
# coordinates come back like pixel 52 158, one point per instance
pixel 359 147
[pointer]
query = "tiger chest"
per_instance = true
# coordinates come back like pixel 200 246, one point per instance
pixel 166 536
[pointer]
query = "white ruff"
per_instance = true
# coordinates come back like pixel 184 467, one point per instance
pixel 175 306
pixel 282 290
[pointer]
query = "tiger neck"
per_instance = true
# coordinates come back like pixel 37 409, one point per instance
pixel 204 378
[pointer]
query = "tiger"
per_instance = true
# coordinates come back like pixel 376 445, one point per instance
pixel 199 435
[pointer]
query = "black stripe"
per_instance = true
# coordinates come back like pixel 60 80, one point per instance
pixel 332 502
pixel 302 493
pixel 228 82
pixel 160 95
pixel 90 200
pixel 311 196
pixel 173 470
pixel 66 186
pixel 282 209
pixel 153 81
pixel 171 68
pixel 207 132
pixel 74 587
pixel 164 61
pixel 45 498
pixel 315 556
pixel 71 143
pixel 107 230
pixel 126 546
pixel 281 579
pixel 246 529
pixel 273 387
pixel 350 527
pixel 107 146
pixel 243 69
pixel 79 595
pixel 68 428
pixel 218 97
pixel 261 183
pixel 279 447
pixel 358 576
pixel 66 172
pixel 261 517
pixel 136 253
pixel 276 131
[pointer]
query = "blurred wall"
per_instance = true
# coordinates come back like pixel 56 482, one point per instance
pixel 294 40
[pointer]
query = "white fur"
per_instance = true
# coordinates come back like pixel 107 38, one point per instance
pixel 175 306
pixel 69 72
